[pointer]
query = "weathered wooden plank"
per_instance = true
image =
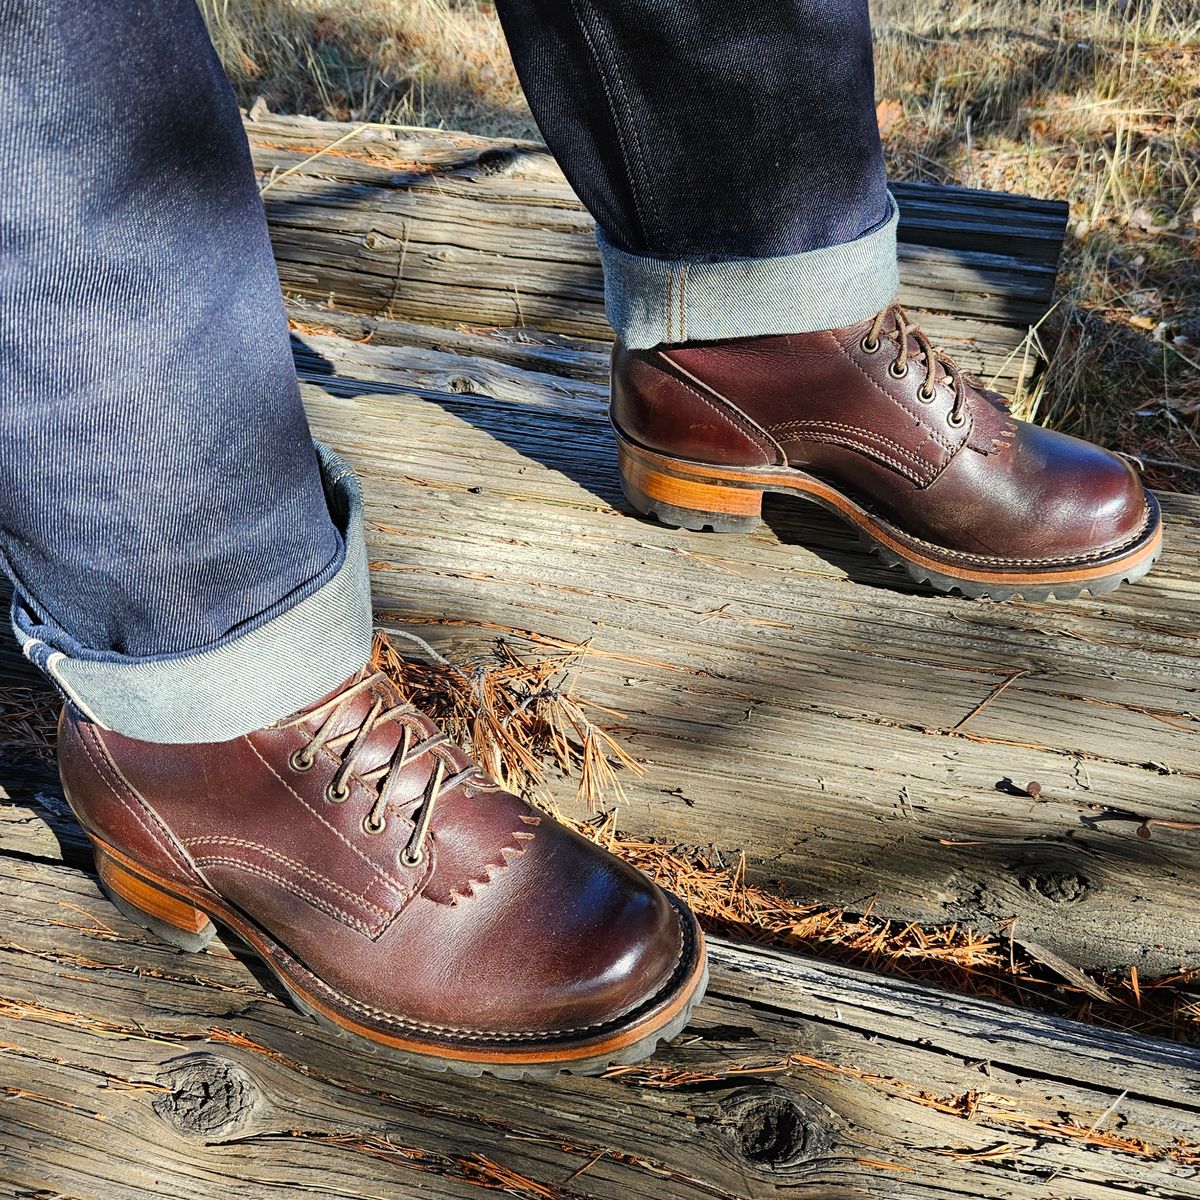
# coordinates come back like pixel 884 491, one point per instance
pixel 930 214
pixel 130 1069
pixel 787 700
pixel 849 779
pixel 448 229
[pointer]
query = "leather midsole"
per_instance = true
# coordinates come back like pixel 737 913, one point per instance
pixel 527 1053
pixel 792 481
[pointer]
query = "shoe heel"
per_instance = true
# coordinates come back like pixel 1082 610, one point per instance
pixel 173 920
pixel 682 501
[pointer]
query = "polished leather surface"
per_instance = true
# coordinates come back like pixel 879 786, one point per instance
pixel 511 927
pixel 820 402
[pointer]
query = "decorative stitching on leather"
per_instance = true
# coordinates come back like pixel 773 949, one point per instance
pixel 922 479
pixel 1060 561
pixel 685 941
pixel 775 430
pixel 396 883
pixel 731 418
pixel 930 433
pixel 139 810
pixel 908 473
pixel 288 885
pixel 293 864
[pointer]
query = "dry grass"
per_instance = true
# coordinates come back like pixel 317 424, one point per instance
pixel 1093 101
pixel 409 62
pixel 1097 103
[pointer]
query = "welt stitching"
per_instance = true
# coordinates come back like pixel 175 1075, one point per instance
pixel 108 771
pixel 336 832
pixel 1061 560
pixel 491 1035
pixel 293 864
pixel 931 434
pixel 728 417
pixel 289 885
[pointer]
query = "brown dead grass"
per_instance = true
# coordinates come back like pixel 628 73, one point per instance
pixel 1097 103
pixel 407 62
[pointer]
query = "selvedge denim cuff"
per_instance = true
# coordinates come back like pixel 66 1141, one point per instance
pixel 284 664
pixel 650 301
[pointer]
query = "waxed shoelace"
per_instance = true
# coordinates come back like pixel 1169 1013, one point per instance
pixel 933 358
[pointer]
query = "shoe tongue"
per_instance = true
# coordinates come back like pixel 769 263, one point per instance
pixel 381 742
pixel 384 687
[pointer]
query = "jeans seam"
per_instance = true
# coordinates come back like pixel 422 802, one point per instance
pixel 668 300
pixel 639 179
pixel 683 273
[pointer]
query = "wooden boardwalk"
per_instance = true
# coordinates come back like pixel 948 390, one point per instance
pixel 862 742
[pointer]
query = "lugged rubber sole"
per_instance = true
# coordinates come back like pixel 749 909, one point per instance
pixel 174 914
pixel 697 496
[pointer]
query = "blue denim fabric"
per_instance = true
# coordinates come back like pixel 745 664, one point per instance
pixel 708 130
pixel 164 516
pixel 161 491
pixel 187 567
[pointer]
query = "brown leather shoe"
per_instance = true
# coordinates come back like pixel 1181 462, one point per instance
pixel 882 429
pixel 399 895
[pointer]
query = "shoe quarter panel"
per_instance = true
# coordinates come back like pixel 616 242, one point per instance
pixel 255 828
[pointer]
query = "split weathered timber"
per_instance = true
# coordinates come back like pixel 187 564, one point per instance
pixel 128 1069
pixel 446 229
pixel 789 697
pixel 861 741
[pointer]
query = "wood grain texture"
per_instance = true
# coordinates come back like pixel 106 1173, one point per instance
pixel 861 741
pixel 447 229
pixel 130 1070
pixel 790 697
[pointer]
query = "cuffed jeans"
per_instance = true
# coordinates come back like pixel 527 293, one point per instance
pixel 729 153
pixel 187 564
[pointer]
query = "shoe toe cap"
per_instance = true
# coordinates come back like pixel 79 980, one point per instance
pixel 610 942
pixel 1091 499
pixel 568 939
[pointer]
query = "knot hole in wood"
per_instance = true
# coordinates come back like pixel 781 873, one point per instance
pixel 771 1129
pixel 210 1097
pixel 1059 883
pixel 515 160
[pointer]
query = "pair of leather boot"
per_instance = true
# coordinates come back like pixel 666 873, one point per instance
pixel 402 897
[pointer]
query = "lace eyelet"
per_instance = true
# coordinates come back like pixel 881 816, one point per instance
pixel 370 828
pixel 869 345
pixel 411 860
pixel 956 422
pixel 336 795
pixel 299 761
pixel 897 374
pixel 926 396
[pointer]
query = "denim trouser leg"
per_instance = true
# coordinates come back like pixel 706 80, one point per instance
pixel 187 565
pixel 729 153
